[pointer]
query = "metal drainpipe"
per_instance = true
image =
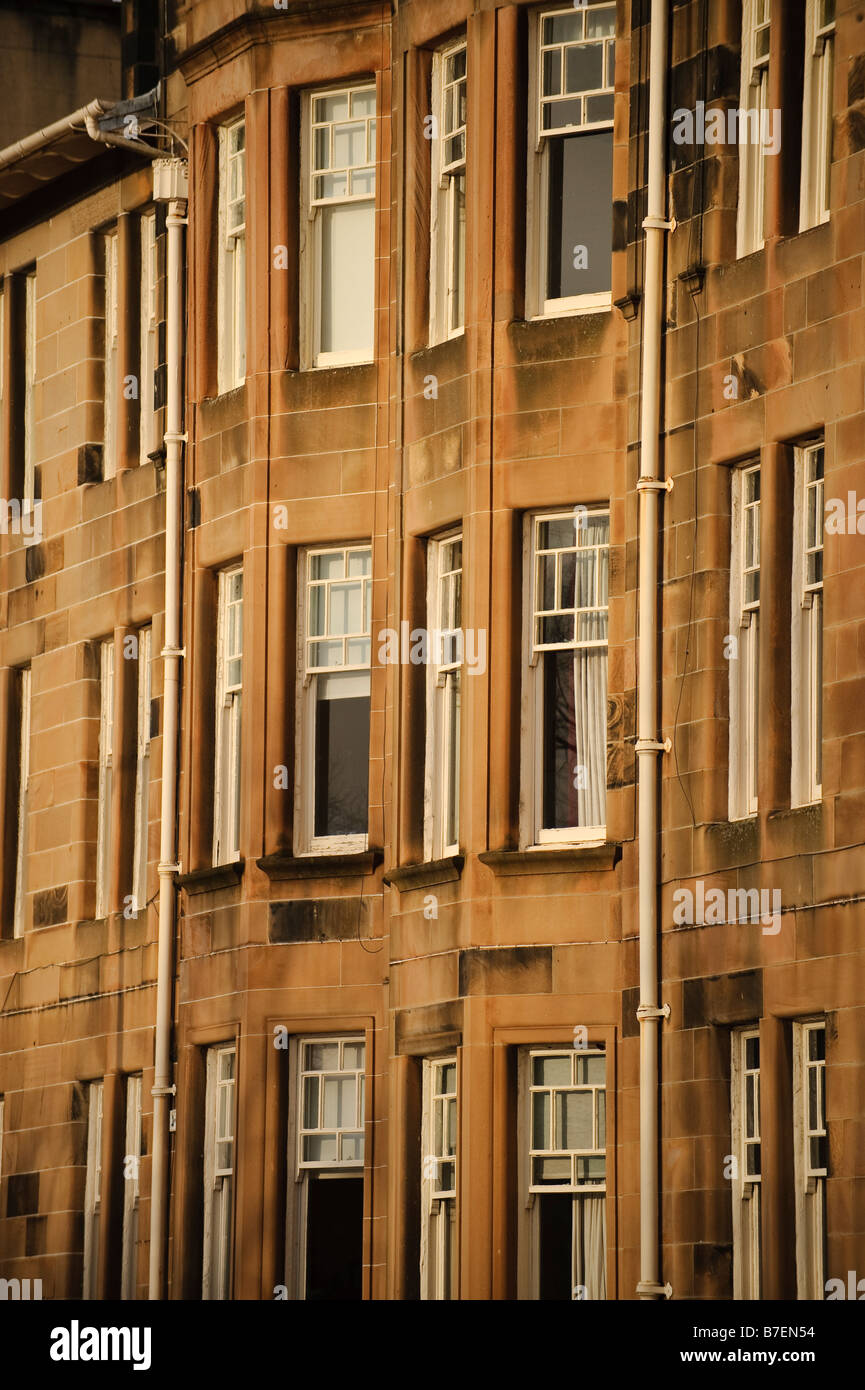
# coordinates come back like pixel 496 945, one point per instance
pixel 648 747
pixel 169 185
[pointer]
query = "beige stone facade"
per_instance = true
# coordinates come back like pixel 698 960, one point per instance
pixel 506 945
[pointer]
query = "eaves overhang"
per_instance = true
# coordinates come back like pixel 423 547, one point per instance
pixel 73 142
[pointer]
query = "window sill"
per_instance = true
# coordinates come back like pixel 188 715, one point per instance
pixel 567 860
pixel 329 363
pixel 572 309
pixel 434 871
pixel 211 878
pixel 281 867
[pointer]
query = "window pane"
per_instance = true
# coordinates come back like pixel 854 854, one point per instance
pixel 359 563
pixel 602 1118
pixel 363 103
pixel 341 760
pixel 574 1120
pixel 752 1053
pixel 310 1102
pixel 591 1170
pixel 332 108
pixel 549 1170
pixel 339 1093
pixel 352 1147
pixel 327 566
pixel 363 183
pixel 331 186
pixel 352 1056
pixel 448 1080
pixel 555 534
pixel 553 73
pixel 321 158
pixel 752 1156
pixel 541 1138
pixel 584 68
pixel 459 252
pixel 559 28
pixel 547 582
pixel 322 1056
pixel 559 752
pixel 591 1070
pixel 346 609
pixel 552 1071
pixel 347 278
pixel 559 629
pixel 599 109
pixel 580 214
pixel 813 1100
pixel 558 114
pixel 357 651
pixel 601 22
pixel 349 145
pixel 817 1044
pixel 319 1148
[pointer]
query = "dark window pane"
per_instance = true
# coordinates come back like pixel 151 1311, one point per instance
pixel 585 68
pixel 559 795
pixel 580 214
pixel 599 109
pixel 558 114
pixel 555 1224
pixel 341 765
pixel 334 1239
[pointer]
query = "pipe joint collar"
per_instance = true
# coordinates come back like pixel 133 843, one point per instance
pixel 645 1290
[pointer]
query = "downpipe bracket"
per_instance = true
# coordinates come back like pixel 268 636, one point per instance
pixel 646 1012
pixel 654 485
pixel 655 1290
pixel 648 745
pixel 159 1091
pixel 658 224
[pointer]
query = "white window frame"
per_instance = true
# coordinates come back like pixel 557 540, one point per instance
pixel 112 354
pixel 753 95
pixel 746 1179
pixel 444 682
pixel 817 109
pixel 29 479
pixel 343 1134
pixel 231 261
pixel 538 306
pixel 132 1151
pixel 745 628
pixel 809 1177
pixel 229 699
pixel 24 706
pixel 311 276
pixel 302 1171
pixel 106 776
pixel 93 1188
pixel 147 433
pixel 309 672
pixel 216 1275
pixel 142 771
pixel 530 1191
pixel 807 626
pixel 532 833
pixel 447 252
pixel 439 1250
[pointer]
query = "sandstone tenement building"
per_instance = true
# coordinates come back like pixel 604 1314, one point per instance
pixel 432 447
